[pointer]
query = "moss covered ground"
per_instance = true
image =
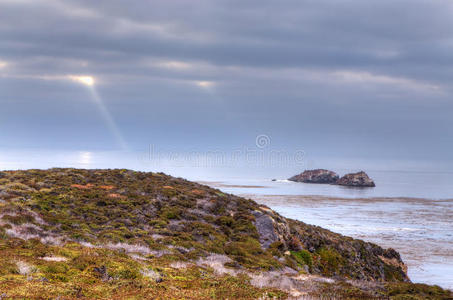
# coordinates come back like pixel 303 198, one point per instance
pixel 120 234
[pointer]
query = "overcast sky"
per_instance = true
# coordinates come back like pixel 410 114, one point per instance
pixel 370 79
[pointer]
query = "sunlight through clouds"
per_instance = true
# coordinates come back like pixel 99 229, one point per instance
pixel 156 67
pixel 86 80
pixel 178 65
pixel 367 77
pixel 108 119
pixel 205 84
pixel 85 158
pixel 89 81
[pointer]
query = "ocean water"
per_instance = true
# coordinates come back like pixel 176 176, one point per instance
pixel 420 229
pixel 411 212
pixel 410 209
pixel 414 184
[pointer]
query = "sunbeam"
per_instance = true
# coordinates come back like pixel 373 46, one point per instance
pixel 89 82
pixel 110 122
pixel 86 80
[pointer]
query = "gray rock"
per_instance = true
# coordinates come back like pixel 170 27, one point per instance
pixel 265 227
pixel 316 176
pixel 359 179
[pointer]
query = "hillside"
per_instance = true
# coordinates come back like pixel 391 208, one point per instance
pixel 121 234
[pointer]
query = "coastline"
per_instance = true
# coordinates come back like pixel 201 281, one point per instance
pixel 170 227
pixel 418 228
pixel 361 199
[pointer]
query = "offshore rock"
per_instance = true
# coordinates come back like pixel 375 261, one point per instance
pixel 316 176
pixel 359 179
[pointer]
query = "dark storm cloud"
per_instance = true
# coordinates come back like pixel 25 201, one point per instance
pixel 314 73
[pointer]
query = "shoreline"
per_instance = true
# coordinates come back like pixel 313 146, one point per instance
pixel 418 228
pixel 363 199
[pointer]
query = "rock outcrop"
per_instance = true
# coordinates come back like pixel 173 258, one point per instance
pixel 359 179
pixel 265 226
pixel 316 176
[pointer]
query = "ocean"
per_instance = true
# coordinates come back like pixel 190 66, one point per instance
pixel 411 212
pixel 410 209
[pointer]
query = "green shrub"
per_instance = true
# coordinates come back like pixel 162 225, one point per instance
pixel 417 291
pixel 171 213
pixel 55 268
pixel 19 219
pixel 330 260
pixel 3 234
pixel 303 257
pixel 224 221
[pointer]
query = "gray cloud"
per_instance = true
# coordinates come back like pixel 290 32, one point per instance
pixel 359 78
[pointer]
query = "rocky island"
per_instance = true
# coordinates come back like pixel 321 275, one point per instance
pixel 316 176
pixel 359 179
pixel 121 234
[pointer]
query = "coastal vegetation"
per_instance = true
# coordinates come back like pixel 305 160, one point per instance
pixel 121 234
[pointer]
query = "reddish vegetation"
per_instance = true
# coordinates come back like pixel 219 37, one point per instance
pixel 198 192
pixel 89 186
pixel 107 187
pixel 83 187
pixel 168 187
pixel 113 195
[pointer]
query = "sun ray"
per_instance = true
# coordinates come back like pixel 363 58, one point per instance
pixel 110 122
pixel 86 80
pixel 89 82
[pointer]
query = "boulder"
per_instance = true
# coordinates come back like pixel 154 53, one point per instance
pixel 359 179
pixel 316 176
pixel 265 226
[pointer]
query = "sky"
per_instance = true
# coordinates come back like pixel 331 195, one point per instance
pixel 338 79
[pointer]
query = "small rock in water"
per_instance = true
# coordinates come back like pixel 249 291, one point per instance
pixel 316 176
pixel 359 179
